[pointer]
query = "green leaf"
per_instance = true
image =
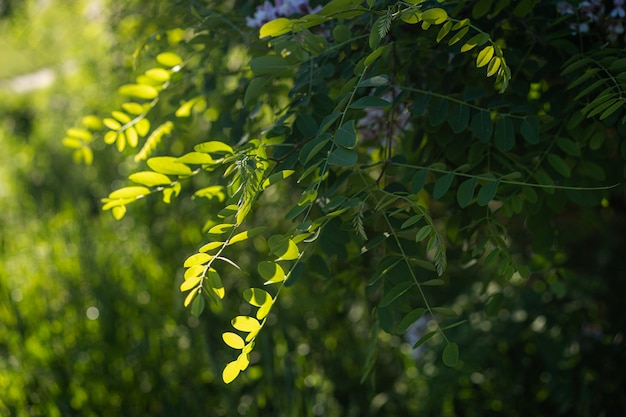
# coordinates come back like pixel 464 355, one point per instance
pixel 276 177
pixel 139 91
pixel 474 41
pixel 169 166
pixel 149 178
pixel 450 355
pixel 233 340
pixel 435 16
pixel 197 306
pixel 129 192
pixel 245 324
pixel 481 8
pixel 269 65
pixel 195 158
pixel 458 36
pixel 443 185
pixel 568 146
pixel 214 282
pixel 256 87
pixel 482 125
pixel 530 129
pixel 197 259
pixel 257 297
pixel 372 57
pixel 376 81
pixel 219 229
pixel 504 134
pixel 444 311
pixel 271 272
pixel 211 246
pixel 368 102
pixel 346 135
pixel 391 295
pixel 216 147
pixel 612 109
pixel 418 181
pixel 458 118
pixel 559 165
pixel 411 221
pixel 275 28
pixel 190 283
pixel 231 372
pixel 169 59
pixel 409 320
pixel 343 157
pixel 484 56
pixel 438 111
pixel 423 233
pixel 424 339
pixel 443 32
pixel 487 192
pixel 283 247
pixel 465 192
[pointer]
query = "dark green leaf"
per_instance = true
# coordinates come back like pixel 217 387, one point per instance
pixel 418 181
pixel 438 111
pixel 443 185
pixel 465 192
pixel 409 319
pixel 482 126
pixel 197 305
pixel 487 192
pixel 504 134
pixel 559 165
pixel 343 157
pixel 458 118
pixel 424 339
pixel 530 129
pixel 346 135
pixel 450 355
pixel 391 295
pixel 269 65
pixel 369 102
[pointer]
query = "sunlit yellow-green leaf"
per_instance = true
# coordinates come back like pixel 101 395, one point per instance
pixel 231 371
pixel 192 294
pixel 81 134
pixel 214 191
pixel 194 271
pixel 138 91
pixel 132 137
pixel 246 324
pixel 73 143
pixel 214 281
pixel 111 124
pixel 195 158
pixel 210 246
pixel 257 297
pixel 494 66
pixel 275 27
pixel 133 108
pixel 213 147
pixel 283 247
pixel 197 259
pixel 118 212
pixel 263 311
pixel 219 229
pixel 121 116
pixel 435 16
pixel 143 127
pixel 233 340
pixel 278 176
pixel 168 165
pixel 158 74
pixel 271 272
pixel 190 283
pixel 169 59
pixel 484 56
pixel 149 178
pixel 92 122
pixel 243 360
pixel 129 192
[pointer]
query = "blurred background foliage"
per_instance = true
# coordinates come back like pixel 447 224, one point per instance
pixel 91 319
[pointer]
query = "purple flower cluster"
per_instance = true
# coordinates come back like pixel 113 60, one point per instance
pixel 593 13
pixel 267 11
